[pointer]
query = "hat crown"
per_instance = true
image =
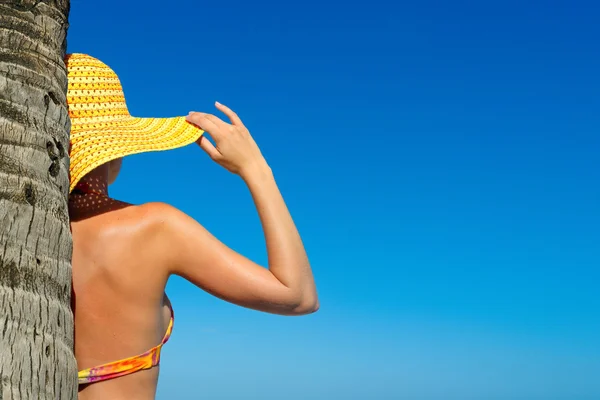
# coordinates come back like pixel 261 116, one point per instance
pixel 95 95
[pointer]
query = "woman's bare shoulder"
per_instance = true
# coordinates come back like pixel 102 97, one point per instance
pixel 146 231
pixel 165 231
pixel 163 220
pixel 158 213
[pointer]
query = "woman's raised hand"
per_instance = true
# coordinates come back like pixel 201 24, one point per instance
pixel 234 148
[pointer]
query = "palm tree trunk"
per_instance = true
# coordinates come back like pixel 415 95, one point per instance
pixel 36 322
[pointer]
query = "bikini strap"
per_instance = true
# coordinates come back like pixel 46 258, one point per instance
pixel 130 365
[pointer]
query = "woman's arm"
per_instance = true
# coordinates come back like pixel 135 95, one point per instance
pixel 287 287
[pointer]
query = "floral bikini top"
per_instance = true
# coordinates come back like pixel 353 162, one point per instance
pixel 126 366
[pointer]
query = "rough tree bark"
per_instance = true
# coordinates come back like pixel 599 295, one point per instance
pixel 36 323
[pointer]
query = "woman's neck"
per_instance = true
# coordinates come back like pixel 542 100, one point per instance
pixel 90 199
pixel 95 187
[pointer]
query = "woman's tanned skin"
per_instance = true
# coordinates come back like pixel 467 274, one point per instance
pixel 124 254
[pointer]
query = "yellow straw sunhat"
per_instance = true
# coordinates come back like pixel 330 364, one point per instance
pixel 102 129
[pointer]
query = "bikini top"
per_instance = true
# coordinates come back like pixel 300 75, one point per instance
pixel 126 366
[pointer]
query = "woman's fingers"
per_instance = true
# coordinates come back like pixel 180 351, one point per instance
pixel 210 123
pixel 233 146
pixel 233 117
pixel 216 120
pixel 210 126
pixel 208 147
pixel 201 121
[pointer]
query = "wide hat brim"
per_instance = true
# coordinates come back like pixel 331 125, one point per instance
pixel 92 147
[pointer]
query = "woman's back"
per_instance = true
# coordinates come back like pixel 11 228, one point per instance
pixel 123 255
pixel 120 307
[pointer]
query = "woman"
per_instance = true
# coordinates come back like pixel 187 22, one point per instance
pixel 123 255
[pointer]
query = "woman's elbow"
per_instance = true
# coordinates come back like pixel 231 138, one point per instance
pixel 307 306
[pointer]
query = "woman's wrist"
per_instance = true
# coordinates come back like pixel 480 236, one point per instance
pixel 256 172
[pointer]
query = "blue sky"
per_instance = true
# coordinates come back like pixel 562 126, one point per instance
pixel 440 161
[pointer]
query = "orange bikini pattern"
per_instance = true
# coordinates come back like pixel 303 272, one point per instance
pixel 115 369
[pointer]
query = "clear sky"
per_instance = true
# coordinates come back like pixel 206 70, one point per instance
pixel 440 160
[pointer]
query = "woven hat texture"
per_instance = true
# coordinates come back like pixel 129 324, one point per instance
pixel 102 129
